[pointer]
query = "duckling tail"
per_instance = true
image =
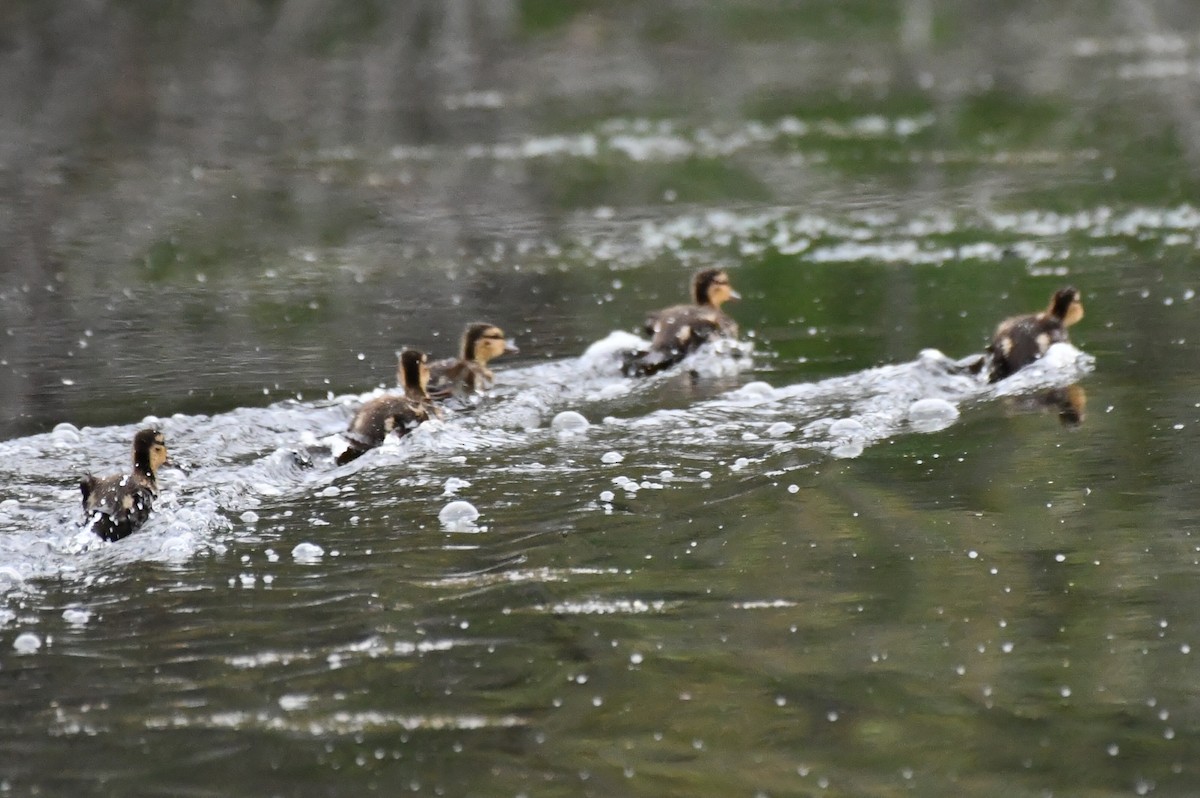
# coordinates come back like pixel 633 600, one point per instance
pixel 352 453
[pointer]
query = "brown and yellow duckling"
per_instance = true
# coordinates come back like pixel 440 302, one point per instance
pixel 1021 340
pixel 116 506
pixel 678 330
pixel 469 372
pixel 385 414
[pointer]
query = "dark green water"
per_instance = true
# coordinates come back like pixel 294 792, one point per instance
pixel 230 219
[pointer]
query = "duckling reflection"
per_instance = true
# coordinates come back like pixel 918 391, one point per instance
pixel 469 372
pixel 1021 340
pixel 385 414
pixel 1070 404
pixel 680 329
pixel 118 505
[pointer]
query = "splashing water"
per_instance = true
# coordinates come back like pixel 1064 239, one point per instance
pixel 237 462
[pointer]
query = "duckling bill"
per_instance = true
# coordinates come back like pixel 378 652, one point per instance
pixel 680 329
pixel 117 506
pixel 383 415
pixel 469 373
pixel 1021 340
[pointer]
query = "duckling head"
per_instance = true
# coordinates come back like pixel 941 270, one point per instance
pixel 482 341
pixel 712 287
pixel 1066 305
pixel 149 451
pixel 414 371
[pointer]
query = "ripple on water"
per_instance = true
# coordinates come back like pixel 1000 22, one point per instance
pixel 240 460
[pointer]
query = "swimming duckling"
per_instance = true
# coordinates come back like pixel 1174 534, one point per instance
pixel 469 372
pixel 677 330
pixel 116 506
pixel 382 415
pixel 1023 339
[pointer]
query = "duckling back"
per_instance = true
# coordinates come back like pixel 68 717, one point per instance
pixel 1020 341
pixel 677 331
pixel 379 417
pixel 117 506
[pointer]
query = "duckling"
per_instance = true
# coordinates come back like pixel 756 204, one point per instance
pixel 677 330
pixel 469 372
pixel 382 415
pixel 1023 339
pixel 116 506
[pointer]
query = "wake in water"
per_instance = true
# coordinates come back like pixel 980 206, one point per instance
pixel 235 463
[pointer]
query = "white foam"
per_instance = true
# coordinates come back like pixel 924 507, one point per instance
pixel 454 485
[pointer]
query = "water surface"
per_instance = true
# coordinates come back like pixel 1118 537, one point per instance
pixel 819 563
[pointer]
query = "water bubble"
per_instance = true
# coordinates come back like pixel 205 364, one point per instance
pixel 612 457
pixel 848 450
pixel 779 429
pixel 607 496
pixel 307 553
pixel 65 434
pixel 76 616
pixel 756 390
pixel 569 424
pixel 459 516
pixel 931 415
pixel 292 701
pixel 845 427
pixel 27 643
